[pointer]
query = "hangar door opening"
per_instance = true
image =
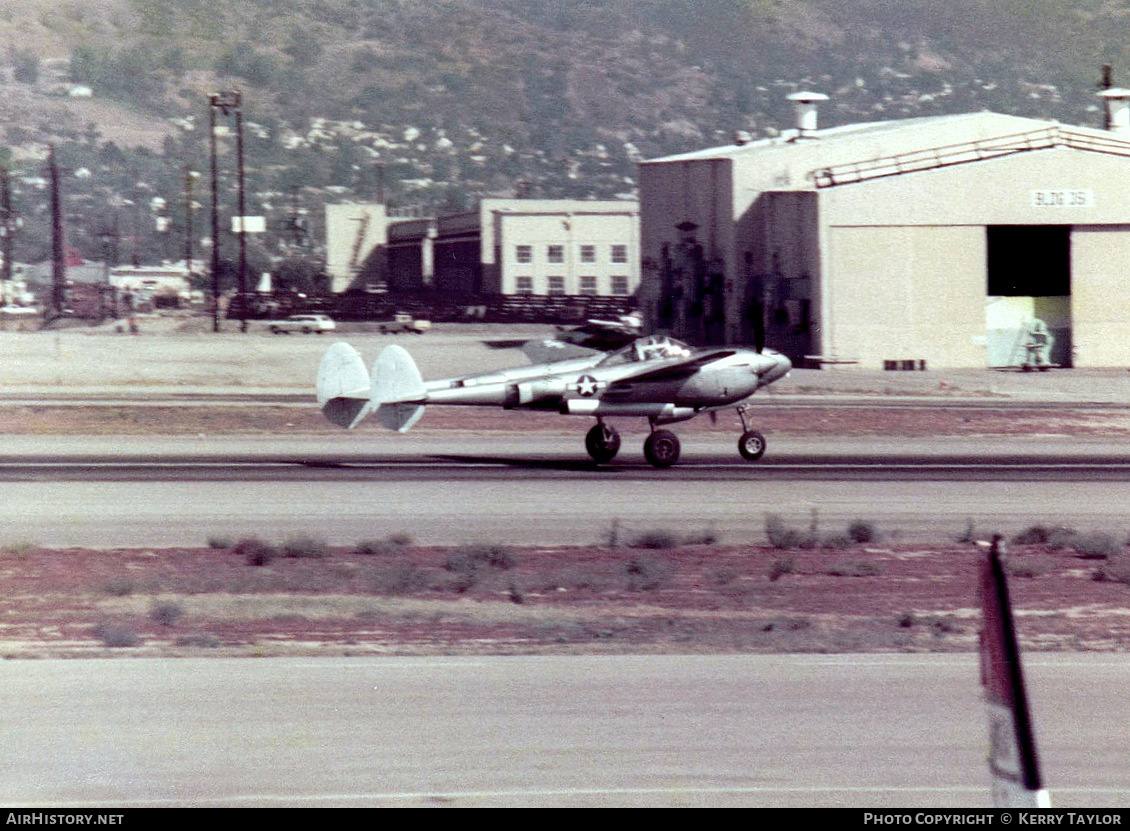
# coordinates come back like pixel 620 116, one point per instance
pixel 1029 294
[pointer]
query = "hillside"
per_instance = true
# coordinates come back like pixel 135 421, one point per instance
pixel 448 100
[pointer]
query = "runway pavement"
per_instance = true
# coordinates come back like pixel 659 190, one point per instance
pixel 874 731
pixel 539 490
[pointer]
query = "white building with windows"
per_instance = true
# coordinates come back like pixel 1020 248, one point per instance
pixel 541 247
pixel 562 247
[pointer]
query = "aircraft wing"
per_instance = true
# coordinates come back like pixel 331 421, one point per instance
pixel 551 351
pixel 675 369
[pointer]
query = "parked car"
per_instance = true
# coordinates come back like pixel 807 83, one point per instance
pixel 305 324
pixel 404 323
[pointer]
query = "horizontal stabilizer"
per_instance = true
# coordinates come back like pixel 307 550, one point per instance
pixel 398 392
pixel 343 386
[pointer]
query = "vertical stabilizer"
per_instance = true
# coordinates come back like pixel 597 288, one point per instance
pixel 398 393
pixel 343 386
pixel 1013 763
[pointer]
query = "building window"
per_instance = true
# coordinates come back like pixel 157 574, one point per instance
pixel 524 285
pixel 588 253
pixel 525 253
pixel 588 285
pixel 557 253
pixel 620 284
pixel 619 253
pixel 556 285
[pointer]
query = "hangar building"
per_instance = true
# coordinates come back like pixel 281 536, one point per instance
pixel 936 241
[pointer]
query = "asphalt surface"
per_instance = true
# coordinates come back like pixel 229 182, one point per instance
pixel 538 490
pixel 870 731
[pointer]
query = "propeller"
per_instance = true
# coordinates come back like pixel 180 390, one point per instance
pixel 759 327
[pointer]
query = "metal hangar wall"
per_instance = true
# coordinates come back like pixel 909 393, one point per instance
pixel 936 240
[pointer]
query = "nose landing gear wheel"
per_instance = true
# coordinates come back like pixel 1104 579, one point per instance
pixel 603 443
pixel 661 448
pixel 751 445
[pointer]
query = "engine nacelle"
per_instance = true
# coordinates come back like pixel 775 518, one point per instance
pixel 526 393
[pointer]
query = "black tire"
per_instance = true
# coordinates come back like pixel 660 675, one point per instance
pixel 751 445
pixel 661 449
pixel 305 330
pixel 274 330
pixel 603 443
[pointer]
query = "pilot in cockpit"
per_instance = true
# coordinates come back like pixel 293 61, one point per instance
pixel 658 347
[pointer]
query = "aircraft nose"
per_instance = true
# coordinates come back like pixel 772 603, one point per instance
pixel 777 366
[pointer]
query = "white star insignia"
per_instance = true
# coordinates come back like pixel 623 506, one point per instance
pixel 587 386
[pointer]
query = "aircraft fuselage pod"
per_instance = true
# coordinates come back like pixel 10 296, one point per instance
pixel 657 378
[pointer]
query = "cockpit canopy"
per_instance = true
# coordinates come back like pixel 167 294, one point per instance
pixel 651 348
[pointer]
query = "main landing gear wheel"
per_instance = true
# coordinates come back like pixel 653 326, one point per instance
pixel 751 445
pixel 603 443
pixel 661 448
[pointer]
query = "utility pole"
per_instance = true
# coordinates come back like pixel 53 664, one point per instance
pixel 7 227
pixel 215 216
pixel 225 102
pixel 58 256
pixel 242 219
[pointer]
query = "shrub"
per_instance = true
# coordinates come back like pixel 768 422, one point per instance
pixel 647 573
pixel 781 535
pixel 391 544
pixel 780 567
pixel 116 635
pixel 861 531
pixel 969 534
pixel 837 541
pixel 1096 546
pixel 1116 569
pixel 398 578
pixel 1033 565
pixel 853 568
pixel 205 640
pixel 1033 535
pixel 166 612
pixel 468 563
pixel 305 547
pixel 707 537
pixel 255 551
pixel 786 624
pixel 120 587
pixel 1061 537
pixel 489 554
pixel 220 542
pixel 19 547
pixel 658 539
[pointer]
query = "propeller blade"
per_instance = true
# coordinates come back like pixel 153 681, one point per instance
pixel 758 328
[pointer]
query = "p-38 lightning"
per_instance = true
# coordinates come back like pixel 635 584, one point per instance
pixel 656 377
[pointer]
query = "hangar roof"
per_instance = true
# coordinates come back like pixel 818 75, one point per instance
pixel 858 151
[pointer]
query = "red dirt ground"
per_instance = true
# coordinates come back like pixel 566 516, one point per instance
pixel 408 600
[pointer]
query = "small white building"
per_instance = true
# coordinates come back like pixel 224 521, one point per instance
pixel 149 280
